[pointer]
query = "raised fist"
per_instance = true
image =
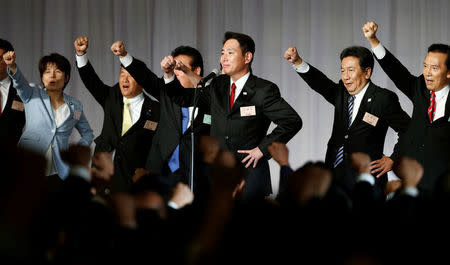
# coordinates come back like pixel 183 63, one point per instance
pixel 370 30
pixel 168 64
pixel 292 56
pixel 118 49
pixel 10 58
pixel 81 45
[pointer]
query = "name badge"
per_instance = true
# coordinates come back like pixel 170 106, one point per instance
pixel 17 105
pixel 207 119
pixel 150 125
pixel 248 111
pixel 76 115
pixel 370 119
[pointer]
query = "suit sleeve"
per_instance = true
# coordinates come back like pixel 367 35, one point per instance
pixel 185 96
pixel 321 84
pixel 145 77
pixel 21 85
pixel 94 84
pixel 398 73
pixel 277 110
pixel 85 130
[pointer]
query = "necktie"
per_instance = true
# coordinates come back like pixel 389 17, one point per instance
pixel 432 107
pixel 126 122
pixel 233 90
pixel 340 153
pixel 174 161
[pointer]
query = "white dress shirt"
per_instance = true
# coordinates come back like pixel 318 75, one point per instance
pixel 135 106
pixel 59 115
pixel 304 67
pixel 239 85
pixel 4 90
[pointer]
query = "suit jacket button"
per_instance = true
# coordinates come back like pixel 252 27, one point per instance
pixel 226 137
pixel 346 136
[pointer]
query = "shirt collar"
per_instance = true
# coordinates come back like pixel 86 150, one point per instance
pixel 5 82
pixel 442 92
pixel 240 82
pixel 135 99
pixel 362 92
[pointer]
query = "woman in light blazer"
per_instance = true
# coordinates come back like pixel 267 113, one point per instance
pixel 50 114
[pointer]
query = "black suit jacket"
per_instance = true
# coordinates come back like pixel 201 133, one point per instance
pixel 132 148
pixel 429 143
pixel 236 132
pixel 12 119
pixel 361 136
pixel 169 133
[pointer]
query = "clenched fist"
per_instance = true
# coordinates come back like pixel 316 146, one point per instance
pixel 81 45
pixel 10 61
pixel 118 49
pixel 168 64
pixel 292 56
pixel 370 29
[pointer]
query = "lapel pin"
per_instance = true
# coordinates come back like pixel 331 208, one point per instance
pixel 244 93
pixel 70 103
pixel 369 100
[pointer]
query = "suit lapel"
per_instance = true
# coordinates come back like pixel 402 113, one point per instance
pixel 46 99
pixel 246 93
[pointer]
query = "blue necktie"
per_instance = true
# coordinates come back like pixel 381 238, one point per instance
pixel 174 162
pixel 340 153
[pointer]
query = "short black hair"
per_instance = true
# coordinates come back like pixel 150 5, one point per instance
pixel 442 48
pixel 60 61
pixel 362 53
pixel 197 60
pixel 245 42
pixel 6 46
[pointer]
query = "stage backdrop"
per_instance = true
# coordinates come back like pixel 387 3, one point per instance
pixel 151 29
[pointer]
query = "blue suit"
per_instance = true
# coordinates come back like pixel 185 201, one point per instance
pixel 40 128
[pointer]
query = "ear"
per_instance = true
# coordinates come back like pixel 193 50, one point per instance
pixel 66 78
pixel 248 57
pixel 197 70
pixel 368 73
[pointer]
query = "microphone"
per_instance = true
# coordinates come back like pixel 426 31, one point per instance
pixel 205 79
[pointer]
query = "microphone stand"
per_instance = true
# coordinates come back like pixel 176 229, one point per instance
pixel 196 95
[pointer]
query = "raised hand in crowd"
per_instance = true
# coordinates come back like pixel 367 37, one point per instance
pixel 182 195
pixel 361 162
pixel 409 170
pixel 77 155
pixel 279 153
pixel 81 45
pixel 102 171
pixel 209 146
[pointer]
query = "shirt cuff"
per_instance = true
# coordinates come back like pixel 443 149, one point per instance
pixel 80 171
pixel 126 60
pixel 367 178
pixel 411 191
pixel 168 80
pixel 379 51
pixel 81 60
pixel 173 205
pixel 301 68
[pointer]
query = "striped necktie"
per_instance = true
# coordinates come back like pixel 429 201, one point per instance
pixel 340 153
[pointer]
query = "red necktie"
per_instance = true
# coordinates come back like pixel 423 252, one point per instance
pixel 432 107
pixel 233 90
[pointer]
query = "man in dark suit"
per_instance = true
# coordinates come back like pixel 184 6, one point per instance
pixel 242 108
pixel 130 119
pixel 170 154
pixel 427 138
pixel 362 113
pixel 12 115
